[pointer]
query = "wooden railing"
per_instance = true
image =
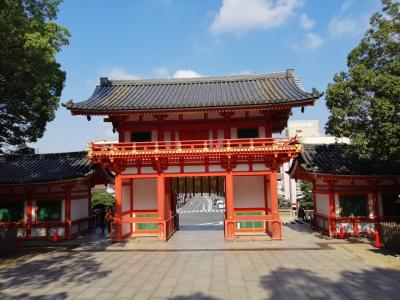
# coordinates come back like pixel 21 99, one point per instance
pixel 267 219
pixel 320 222
pixel 354 221
pixel 84 224
pixel 45 230
pixel 168 226
pixel 199 147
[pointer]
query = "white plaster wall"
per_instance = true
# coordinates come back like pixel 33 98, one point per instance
pixel 148 170
pixel 248 191
pixel 167 135
pixel 241 168
pixel 233 133
pixel 268 195
pixel 127 137
pixel 79 209
pixel 34 211
pixel 260 167
pixel 154 136
pixel 221 134
pixel 194 169
pixel 261 132
pixel 215 169
pixel 337 205
pixel 145 194
pixel 173 169
pixel 126 198
pixel 322 201
pixel 130 170
pixel 370 206
pixel 25 211
pixel 126 228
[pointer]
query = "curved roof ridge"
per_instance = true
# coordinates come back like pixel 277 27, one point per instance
pixel 105 80
pixel 44 155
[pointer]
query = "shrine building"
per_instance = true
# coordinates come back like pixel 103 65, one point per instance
pixel 350 194
pixel 48 194
pixel 209 130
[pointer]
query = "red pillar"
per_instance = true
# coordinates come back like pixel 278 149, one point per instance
pixel 161 206
pixel 68 212
pixel 276 225
pixel 375 206
pixel 118 209
pixel 29 210
pixel 332 213
pixel 266 212
pixel 230 208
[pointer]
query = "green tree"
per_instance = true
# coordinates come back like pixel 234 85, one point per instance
pixel 31 80
pixel 102 198
pixel 307 202
pixel 365 101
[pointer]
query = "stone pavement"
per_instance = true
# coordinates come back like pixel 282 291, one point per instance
pixel 303 266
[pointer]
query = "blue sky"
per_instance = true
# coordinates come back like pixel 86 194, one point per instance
pixel 180 38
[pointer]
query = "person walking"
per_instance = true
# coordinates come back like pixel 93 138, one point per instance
pixel 109 218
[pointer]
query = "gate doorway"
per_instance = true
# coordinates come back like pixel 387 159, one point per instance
pixel 200 202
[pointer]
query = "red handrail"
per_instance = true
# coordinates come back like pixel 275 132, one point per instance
pixel 195 146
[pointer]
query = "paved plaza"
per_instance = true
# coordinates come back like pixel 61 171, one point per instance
pixel 201 265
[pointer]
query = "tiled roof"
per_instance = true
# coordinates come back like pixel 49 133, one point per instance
pixel 334 159
pixel 203 92
pixel 36 168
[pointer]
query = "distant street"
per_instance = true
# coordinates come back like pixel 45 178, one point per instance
pixel 200 213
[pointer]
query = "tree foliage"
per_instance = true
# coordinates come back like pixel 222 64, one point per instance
pixel 101 198
pixel 365 101
pixel 31 80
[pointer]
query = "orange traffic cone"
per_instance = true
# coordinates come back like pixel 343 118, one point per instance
pixel 377 239
pixel 341 232
pixel 55 236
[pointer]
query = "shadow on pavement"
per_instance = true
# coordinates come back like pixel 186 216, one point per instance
pixel 303 284
pixel 196 296
pixel 54 269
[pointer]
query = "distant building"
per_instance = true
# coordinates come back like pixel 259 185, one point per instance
pixel 307 132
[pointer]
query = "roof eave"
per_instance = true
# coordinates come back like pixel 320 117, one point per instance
pixel 281 105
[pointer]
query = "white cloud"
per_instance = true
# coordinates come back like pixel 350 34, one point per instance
pixel 243 72
pixel 161 72
pixel 311 41
pixel 346 4
pixel 239 16
pixel 186 74
pixel 340 26
pixel 306 22
pixel 119 73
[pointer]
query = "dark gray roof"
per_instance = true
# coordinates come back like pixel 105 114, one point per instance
pixel 36 168
pixel 203 92
pixel 336 159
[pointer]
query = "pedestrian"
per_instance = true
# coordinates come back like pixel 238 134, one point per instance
pixel 102 219
pixel 109 218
